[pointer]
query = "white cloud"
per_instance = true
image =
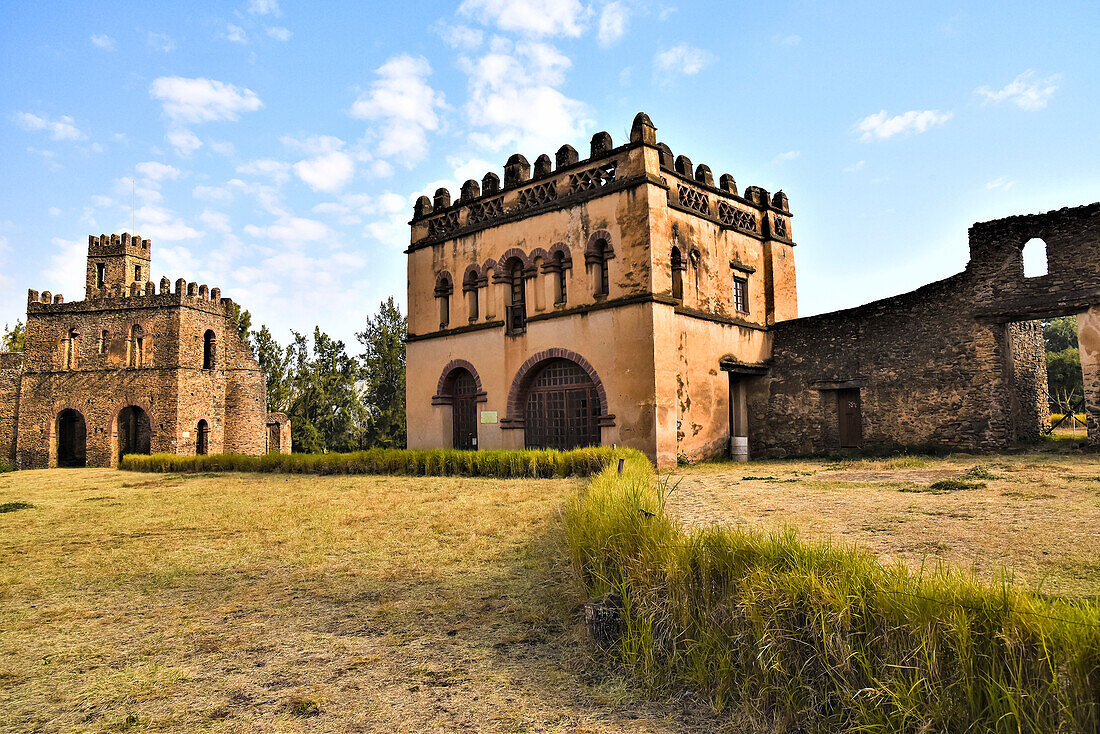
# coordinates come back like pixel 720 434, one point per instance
pixel 217 221
pixel 162 224
pixel 264 7
pixel 1027 91
pixel 790 155
pixel 792 40
pixel 682 59
pixel 1001 183
pixel 533 17
pixel 63 128
pixel 102 201
pixel 55 212
pixel 329 172
pixel 103 42
pixel 457 35
pixel 64 270
pixel 223 148
pixel 183 141
pixel 278 33
pixel 155 171
pixel 235 34
pixel 212 193
pixel 857 166
pixel 880 126
pixel 160 42
pixel 278 171
pixel 405 106
pixel 202 100
pixel 291 230
pixel 613 22
pixel 512 91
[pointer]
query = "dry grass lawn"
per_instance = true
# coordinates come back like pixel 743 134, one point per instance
pixel 1037 517
pixel 243 603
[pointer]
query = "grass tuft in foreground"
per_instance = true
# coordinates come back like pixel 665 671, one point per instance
pixel 497 464
pixel 809 636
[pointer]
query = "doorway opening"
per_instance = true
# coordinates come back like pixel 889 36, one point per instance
pixel 134 432
pixel 72 439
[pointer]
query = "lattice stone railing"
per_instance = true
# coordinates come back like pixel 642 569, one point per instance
pixel 779 227
pixel 731 216
pixel 442 225
pixel 536 195
pixel 593 178
pixel 693 199
pixel 485 211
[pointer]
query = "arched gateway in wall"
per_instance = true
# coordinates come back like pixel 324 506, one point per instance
pixel 561 400
pixel 72 438
pixel 460 387
pixel 133 431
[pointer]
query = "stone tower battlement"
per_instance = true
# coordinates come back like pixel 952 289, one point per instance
pixel 568 180
pixel 116 262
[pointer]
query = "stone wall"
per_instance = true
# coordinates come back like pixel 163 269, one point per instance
pixel 958 363
pixel 11 368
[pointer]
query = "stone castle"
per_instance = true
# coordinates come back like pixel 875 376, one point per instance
pixel 131 370
pixel 626 298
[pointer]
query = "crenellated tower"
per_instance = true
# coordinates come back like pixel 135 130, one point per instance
pixel 115 262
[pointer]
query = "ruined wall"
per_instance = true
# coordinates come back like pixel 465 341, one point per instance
pixel 957 363
pixel 1088 339
pixel 11 368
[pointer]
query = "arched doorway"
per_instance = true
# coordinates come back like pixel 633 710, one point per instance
pixel 462 389
pixel 202 438
pixel 561 407
pixel 72 439
pixel 134 431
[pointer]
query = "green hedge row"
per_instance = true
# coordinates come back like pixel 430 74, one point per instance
pixel 499 464
pixel 790 635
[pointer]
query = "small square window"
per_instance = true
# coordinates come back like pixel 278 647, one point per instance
pixel 137 273
pixel 741 294
pixel 100 274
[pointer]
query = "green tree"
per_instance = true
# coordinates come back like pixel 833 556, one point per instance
pixel 383 357
pixel 326 413
pixel 1065 382
pixel 243 319
pixel 1060 333
pixel 274 361
pixel 15 338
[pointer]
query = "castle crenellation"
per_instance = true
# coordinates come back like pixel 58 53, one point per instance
pixel 569 179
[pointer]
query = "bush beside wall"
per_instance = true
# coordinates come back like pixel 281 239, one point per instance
pixel 791 635
pixel 413 462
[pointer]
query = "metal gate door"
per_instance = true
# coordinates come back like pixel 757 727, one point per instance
pixel 562 409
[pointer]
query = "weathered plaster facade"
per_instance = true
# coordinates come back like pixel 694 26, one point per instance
pixel 130 370
pixel 652 349
pixel 693 347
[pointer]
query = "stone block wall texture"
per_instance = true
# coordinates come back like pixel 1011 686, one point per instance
pixel 957 363
pixel 11 369
pixel 86 356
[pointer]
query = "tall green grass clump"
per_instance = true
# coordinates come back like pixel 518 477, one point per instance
pixel 793 635
pixel 500 464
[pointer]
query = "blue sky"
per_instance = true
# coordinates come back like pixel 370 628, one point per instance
pixel 274 148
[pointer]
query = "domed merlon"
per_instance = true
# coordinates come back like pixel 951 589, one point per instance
pixel 601 144
pixel 667 159
pixel 566 156
pixel 728 184
pixel 683 166
pixel 422 208
pixel 543 166
pixel 642 130
pixel 516 170
pixel 703 175
pixel 469 191
pixel 490 184
pixel 779 201
pixel 442 198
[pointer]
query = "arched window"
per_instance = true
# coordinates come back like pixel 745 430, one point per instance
pixel 469 287
pixel 1035 258
pixel 209 350
pixel 202 438
pixel 104 341
pixel 677 274
pixel 694 258
pixel 601 277
pixel 137 346
pixel 517 302
pixel 443 290
pixel 559 274
pixel 72 349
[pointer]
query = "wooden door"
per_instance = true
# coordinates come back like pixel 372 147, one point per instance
pixel 850 413
pixel 464 411
pixel 562 409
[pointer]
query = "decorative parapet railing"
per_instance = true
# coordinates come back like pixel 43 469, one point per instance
pixel 567 180
pixel 137 294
